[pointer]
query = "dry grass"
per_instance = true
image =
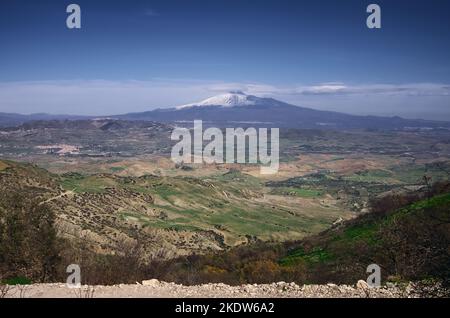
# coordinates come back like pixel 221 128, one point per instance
pixel 85 292
pixel 3 165
pixel 4 291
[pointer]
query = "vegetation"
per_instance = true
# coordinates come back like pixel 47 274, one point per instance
pixel 409 240
pixel 29 248
pixel 229 204
pixel 300 192
pixel 407 234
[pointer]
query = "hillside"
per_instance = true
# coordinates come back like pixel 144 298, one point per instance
pixel 177 215
pixel 408 243
pixel 187 230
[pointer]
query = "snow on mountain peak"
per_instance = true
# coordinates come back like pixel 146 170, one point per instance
pixel 230 99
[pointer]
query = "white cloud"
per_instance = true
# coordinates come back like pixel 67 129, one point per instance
pixel 323 89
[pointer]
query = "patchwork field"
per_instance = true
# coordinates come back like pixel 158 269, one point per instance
pixel 112 182
pixel 179 214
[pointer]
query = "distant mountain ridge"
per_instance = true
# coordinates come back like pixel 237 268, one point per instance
pixel 105 124
pixel 13 119
pixel 239 109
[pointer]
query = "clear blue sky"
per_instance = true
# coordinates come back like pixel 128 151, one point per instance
pixel 165 52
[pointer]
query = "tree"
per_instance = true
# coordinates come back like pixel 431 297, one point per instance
pixel 28 238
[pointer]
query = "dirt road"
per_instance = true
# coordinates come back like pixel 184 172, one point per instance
pixel 156 289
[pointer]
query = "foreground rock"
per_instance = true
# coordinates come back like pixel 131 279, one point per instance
pixel 156 289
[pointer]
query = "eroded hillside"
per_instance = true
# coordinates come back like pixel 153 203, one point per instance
pixel 179 215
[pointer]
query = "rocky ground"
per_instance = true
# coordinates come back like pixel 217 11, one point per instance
pixel 156 289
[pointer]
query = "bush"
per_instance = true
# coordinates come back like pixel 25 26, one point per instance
pixel 28 243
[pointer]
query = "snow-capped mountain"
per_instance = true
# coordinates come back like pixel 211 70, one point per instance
pixel 239 109
pixel 231 99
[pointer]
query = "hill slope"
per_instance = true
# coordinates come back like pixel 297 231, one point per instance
pixel 180 215
pixel 408 243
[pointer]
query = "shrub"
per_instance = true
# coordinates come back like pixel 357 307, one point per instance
pixel 28 243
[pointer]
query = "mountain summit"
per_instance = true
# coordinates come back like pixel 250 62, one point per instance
pixel 230 99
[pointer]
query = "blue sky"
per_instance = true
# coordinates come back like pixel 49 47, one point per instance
pixel 139 55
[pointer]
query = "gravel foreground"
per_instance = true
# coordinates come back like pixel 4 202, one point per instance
pixel 156 289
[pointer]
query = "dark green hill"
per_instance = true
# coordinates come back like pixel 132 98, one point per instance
pixel 409 243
